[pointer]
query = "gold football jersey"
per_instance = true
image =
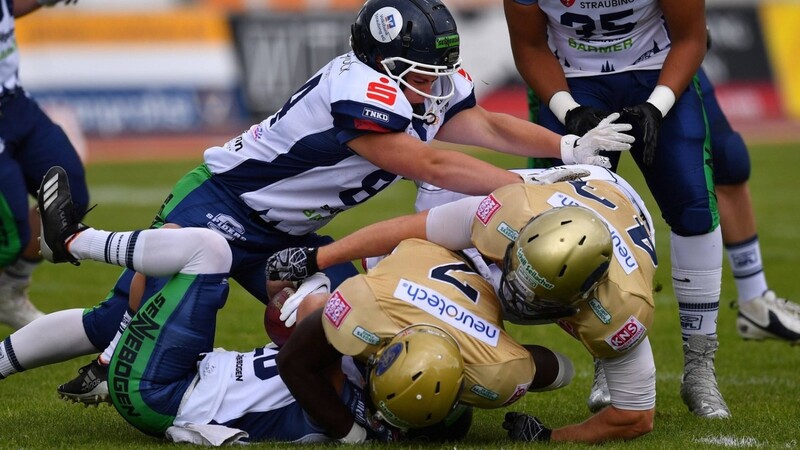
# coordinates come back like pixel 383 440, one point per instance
pixel 619 313
pixel 420 283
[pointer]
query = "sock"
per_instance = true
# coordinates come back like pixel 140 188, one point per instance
pixel 36 345
pixel 697 280
pixel 105 246
pixel 748 269
pixel 8 359
pixel 105 357
pixel 161 252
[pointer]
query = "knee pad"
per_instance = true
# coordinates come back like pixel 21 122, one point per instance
pixel 731 160
pixel 692 221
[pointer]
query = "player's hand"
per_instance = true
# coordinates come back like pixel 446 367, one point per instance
pixel 646 120
pixel 315 284
pixel 583 118
pixel 377 430
pixel 292 264
pixel 525 428
pixel 556 174
pixel 607 135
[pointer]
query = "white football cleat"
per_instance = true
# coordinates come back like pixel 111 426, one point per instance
pixel 699 389
pixel 769 317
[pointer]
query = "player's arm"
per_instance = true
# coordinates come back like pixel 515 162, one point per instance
pixel 24 7
pixel 631 380
pixel 609 424
pixel 302 363
pixel 406 156
pixel 448 225
pixel 527 28
pixel 501 132
pixel 686 21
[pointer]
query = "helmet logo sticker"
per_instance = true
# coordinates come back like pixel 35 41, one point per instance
pixel 447 41
pixel 530 274
pixel 385 24
pixel 388 357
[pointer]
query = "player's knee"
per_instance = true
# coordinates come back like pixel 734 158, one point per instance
pixel 733 166
pixel 214 252
pixel 691 221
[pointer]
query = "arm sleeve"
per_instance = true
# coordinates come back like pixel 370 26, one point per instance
pixel 632 378
pixel 450 225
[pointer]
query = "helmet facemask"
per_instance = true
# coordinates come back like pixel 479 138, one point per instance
pixel 444 75
pixel 555 263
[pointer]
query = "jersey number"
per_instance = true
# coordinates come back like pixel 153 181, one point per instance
pixel 264 366
pixel 639 234
pixel 608 23
pixel 370 185
pixel 442 273
pixel 296 97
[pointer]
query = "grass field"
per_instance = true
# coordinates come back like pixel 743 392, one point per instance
pixel 760 380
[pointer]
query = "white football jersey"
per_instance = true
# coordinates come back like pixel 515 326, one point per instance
pixel 240 390
pixel 9 53
pixel 295 169
pixel 602 37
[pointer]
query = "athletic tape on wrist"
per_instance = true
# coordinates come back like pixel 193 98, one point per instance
pixel 560 103
pixel 662 98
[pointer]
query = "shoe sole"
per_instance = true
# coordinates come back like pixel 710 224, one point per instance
pixel 750 331
pixel 86 400
pixel 91 398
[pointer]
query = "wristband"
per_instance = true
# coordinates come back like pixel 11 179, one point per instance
pixel 568 144
pixel 356 435
pixel 662 98
pixel 560 103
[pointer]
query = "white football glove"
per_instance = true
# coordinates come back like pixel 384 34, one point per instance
pixel 607 135
pixel 315 284
pixel 556 174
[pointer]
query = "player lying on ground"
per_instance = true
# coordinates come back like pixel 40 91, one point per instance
pixel 155 380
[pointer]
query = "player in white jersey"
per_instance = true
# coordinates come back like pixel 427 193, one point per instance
pixel 615 309
pixel 585 59
pixel 30 143
pixel 165 378
pixel 358 125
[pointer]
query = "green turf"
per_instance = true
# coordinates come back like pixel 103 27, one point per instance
pixel 760 380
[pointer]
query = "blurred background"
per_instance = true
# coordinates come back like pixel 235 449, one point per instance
pixel 193 73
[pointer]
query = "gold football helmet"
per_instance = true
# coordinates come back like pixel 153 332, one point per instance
pixel 558 258
pixel 416 378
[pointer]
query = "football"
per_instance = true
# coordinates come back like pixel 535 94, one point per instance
pixel 277 331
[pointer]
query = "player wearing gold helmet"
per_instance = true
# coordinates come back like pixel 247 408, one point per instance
pixel 607 304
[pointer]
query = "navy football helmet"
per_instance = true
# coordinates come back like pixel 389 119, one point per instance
pixel 403 36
